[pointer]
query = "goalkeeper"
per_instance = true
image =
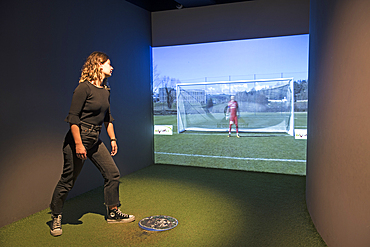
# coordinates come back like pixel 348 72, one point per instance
pixel 232 109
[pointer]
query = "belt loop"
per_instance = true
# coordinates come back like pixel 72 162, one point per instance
pixel 91 126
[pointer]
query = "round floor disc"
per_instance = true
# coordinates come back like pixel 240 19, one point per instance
pixel 158 223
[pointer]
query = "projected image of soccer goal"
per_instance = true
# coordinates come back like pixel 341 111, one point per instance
pixel 263 105
pixel 193 112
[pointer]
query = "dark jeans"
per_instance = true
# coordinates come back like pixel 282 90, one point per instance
pixel 100 157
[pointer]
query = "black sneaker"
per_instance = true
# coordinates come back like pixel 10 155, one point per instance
pixel 56 225
pixel 116 216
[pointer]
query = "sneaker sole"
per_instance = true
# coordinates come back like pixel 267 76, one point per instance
pixel 56 233
pixel 131 219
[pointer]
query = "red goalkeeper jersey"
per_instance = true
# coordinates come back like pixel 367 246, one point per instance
pixel 233 108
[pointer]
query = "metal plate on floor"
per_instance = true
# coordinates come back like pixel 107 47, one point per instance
pixel 158 223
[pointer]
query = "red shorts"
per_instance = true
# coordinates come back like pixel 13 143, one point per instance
pixel 234 120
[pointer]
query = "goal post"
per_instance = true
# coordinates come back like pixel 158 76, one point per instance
pixel 265 105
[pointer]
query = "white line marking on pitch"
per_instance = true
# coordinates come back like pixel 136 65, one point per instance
pixel 235 158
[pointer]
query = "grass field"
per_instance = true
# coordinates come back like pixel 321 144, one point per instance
pixel 275 153
pixel 215 208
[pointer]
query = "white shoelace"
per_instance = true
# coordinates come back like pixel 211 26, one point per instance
pixel 57 222
pixel 122 214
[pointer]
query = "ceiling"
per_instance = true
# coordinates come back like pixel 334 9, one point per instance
pixel 160 5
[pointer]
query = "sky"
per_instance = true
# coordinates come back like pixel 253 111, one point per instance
pixel 264 58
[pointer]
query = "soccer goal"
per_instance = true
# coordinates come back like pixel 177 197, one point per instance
pixel 264 105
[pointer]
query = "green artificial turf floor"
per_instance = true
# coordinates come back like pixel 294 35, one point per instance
pixel 214 207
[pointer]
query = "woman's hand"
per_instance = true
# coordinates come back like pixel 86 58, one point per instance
pixel 80 148
pixel 112 136
pixel 114 148
pixel 81 152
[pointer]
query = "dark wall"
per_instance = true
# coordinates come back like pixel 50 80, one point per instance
pixel 338 171
pixel 43 46
pixel 251 19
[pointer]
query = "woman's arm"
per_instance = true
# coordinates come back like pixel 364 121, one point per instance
pixel 112 136
pixel 80 148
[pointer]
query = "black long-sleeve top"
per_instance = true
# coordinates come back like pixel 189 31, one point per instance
pixel 90 104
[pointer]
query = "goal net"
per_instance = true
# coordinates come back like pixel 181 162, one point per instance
pixel 264 105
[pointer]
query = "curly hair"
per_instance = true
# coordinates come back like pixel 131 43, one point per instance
pixel 91 69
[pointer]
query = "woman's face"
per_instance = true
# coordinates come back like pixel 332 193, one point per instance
pixel 107 69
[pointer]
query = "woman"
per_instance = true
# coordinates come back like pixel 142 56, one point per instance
pixel 89 109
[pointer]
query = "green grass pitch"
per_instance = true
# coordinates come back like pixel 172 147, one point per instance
pixel 275 153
